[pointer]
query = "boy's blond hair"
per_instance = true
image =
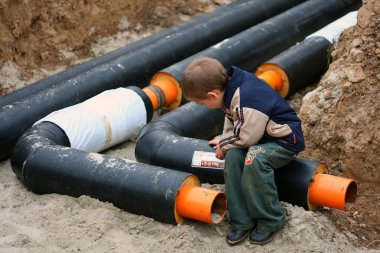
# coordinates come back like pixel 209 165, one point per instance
pixel 202 76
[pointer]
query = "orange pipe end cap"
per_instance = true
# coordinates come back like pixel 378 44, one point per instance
pixel 201 204
pixel 275 76
pixel 332 191
pixel 170 87
pixel 273 79
pixel 153 97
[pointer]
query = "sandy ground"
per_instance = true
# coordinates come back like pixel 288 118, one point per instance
pixel 55 223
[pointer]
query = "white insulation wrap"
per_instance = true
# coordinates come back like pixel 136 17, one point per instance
pixel 102 121
pixel 332 31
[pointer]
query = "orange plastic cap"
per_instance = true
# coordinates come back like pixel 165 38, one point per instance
pixel 152 96
pixel 272 78
pixel 201 204
pixel 170 88
pixel 275 77
pixel 332 191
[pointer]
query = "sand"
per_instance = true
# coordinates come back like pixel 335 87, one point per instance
pixel 56 223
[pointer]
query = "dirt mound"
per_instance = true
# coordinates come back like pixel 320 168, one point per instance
pixel 38 39
pixel 36 33
pixel 341 120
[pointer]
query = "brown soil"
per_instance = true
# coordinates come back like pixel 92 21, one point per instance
pixel 341 116
pixel 40 34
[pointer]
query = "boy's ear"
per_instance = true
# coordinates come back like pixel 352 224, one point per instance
pixel 213 93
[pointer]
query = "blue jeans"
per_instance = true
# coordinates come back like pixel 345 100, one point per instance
pixel 250 188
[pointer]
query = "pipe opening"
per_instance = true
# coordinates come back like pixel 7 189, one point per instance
pixel 202 204
pixel 332 191
pixel 351 194
pixel 218 208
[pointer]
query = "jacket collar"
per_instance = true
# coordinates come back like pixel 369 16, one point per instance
pixel 236 77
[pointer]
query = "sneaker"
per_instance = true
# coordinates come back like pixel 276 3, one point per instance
pixel 260 237
pixel 235 235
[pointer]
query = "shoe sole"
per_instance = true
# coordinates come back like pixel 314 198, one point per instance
pixel 238 241
pixel 261 242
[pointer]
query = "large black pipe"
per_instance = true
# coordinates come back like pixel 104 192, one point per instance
pixel 303 63
pixel 131 69
pixel 165 136
pixel 172 139
pixel 265 40
pixel 44 162
pixel 78 69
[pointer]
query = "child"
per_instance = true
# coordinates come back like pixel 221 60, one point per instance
pixel 261 133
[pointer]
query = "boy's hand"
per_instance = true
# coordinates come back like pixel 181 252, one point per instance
pixel 213 143
pixel 219 153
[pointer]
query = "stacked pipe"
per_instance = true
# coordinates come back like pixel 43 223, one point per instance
pixel 289 66
pixel 173 139
pixel 74 172
pixel 134 67
pixel 263 41
pixel 53 157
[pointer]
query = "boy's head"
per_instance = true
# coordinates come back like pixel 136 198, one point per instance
pixel 204 82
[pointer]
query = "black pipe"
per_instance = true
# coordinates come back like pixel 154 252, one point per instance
pixel 171 140
pixel 303 63
pixel 250 48
pixel 173 137
pixel 76 70
pixel 44 162
pixel 131 69
pixel 166 135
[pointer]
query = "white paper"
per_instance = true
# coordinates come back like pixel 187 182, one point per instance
pixel 206 160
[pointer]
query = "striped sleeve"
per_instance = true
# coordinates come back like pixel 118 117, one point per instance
pixel 248 128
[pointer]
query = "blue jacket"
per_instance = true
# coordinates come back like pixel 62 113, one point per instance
pixel 255 113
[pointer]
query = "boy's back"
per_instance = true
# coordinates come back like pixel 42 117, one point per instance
pixel 257 101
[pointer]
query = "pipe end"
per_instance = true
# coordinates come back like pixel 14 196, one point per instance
pixel 268 71
pixel 218 208
pixel 201 204
pixel 351 194
pixel 190 180
pixel 331 191
pixel 322 169
pixel 170 87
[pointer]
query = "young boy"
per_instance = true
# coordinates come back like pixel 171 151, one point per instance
pixel 261 133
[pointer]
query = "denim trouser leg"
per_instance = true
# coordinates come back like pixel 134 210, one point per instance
pixel 236 205
pixel 250 188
